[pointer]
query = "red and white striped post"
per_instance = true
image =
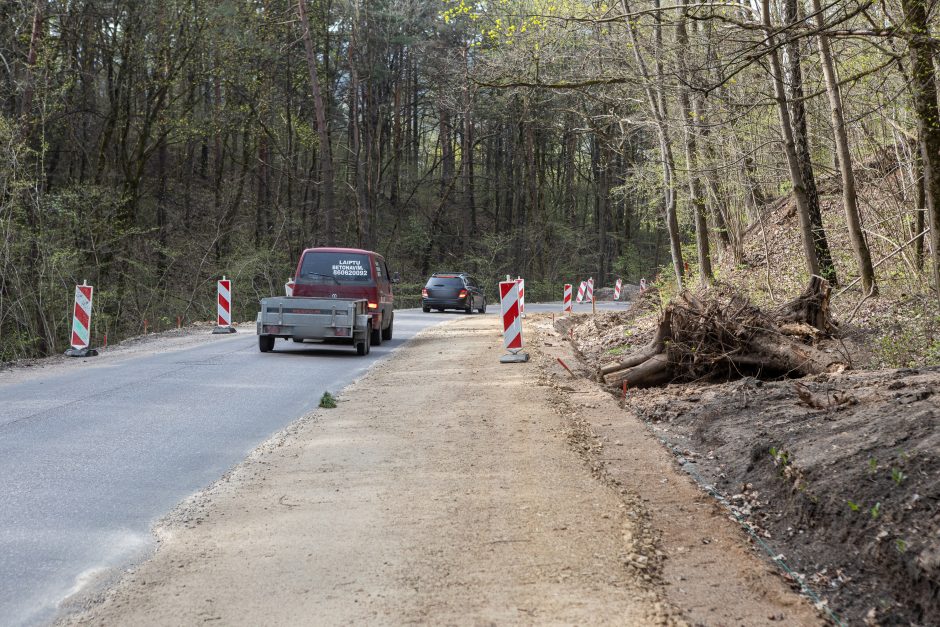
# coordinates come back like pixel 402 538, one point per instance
pixel 618 286
pixel 642 285
pixel 224 307
pixel 521 283
pixel 81 322
pixel 589 294
pixel 581 289
pixel 289 287
pixel 567 300
pixel 512 322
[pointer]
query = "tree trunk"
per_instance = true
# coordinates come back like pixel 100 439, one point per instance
pixel 849 199
pixel 26 104
pixel 802 147
pixel 927 112
pixel 786 127
pixel 327 201
pixel 466 158
pixel 657 108
pixel 696 191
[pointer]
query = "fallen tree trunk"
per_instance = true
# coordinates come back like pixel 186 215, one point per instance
pixel 655 347
pixel 721 333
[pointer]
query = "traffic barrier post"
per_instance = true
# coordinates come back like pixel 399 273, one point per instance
pixel 224 308
pixel 618 286
pixel 590 295
pixel 81 322
pixel 521 283
pixel 567 300
pixel 581 289
pixel 289 287
pixel 512 322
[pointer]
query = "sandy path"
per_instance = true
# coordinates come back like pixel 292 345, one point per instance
pixel 703 562
pixel 442 490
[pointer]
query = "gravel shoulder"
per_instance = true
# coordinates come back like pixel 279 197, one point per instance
pixel 448 488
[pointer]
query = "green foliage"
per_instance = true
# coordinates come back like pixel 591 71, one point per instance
pixel 897 476
pixel 328 401
pixel 779 457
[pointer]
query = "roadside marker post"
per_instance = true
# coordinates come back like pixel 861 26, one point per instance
pixel 224 309
pixel 81 322
pixel 521 283
pixel 642 285
pixel 567 298
pixel 618 286
pixel 512 323
pixel 289 287
pixel 581 289
pixel 590 295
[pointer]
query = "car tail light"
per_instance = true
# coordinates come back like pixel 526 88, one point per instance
pixel 424 292
pixel 463 294
pixel 373 305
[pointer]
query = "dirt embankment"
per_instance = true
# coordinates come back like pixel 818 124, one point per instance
pixel 838 474
pixel 444 489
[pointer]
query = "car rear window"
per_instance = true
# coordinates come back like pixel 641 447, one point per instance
pixel 445 281
pixel 345 268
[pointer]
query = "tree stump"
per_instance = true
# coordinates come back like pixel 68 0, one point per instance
pixel 719 333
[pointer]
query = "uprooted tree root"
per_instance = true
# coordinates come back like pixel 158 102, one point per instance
pixel 718 333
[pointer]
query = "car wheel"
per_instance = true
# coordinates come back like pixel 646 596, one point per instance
pixel 265 343
pixel 377 336
pixel 426 309
pixel 483 307
pixel 440 309
pixel 363 347
pixel 469 308
pixel 387 333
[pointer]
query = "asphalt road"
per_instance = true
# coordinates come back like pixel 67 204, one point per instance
pixel 95 451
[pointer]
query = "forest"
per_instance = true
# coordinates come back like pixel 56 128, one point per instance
pixel 151 147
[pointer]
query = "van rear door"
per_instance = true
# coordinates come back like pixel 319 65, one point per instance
pixel 335 274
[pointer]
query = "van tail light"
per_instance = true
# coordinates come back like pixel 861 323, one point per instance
pixel 424 292
pixel 463 294
pixel 373 305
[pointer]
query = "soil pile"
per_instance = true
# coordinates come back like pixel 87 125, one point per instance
pixel 838 473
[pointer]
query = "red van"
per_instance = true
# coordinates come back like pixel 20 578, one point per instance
pixel 350 273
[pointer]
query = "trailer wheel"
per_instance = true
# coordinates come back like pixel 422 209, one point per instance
pixel 265 343
pixel 363 347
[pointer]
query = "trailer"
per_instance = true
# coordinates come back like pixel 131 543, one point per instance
pixel 333 320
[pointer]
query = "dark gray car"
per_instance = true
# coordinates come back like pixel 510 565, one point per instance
pixel 453 290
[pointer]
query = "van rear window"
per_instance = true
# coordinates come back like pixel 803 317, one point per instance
pixel 336 268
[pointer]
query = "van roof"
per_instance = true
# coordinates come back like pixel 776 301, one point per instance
pixel 327 249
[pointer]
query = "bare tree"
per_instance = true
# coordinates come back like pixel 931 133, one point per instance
pixel 323 131
pixel 849 195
